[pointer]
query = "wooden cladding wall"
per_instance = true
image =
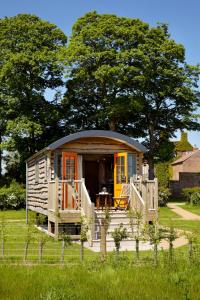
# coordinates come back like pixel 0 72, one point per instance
pixel 96 145
pixel 37 194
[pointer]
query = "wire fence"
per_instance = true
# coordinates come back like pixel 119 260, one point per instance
pixel 26 244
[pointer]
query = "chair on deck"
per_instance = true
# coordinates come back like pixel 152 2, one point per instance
pixel 122 202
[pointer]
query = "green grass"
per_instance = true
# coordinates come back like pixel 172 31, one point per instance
pixel 13 214
pixel 167 218
pixel 125 278
pixel 16 231
pixel 16 236
pixel 166 214
pixel 94 282
pixel 192 208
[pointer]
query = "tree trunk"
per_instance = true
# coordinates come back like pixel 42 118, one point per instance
pixel 112 125
pixel 190 250
pixel 137 248
pixel 151 153
pixel 82 251
pixel 103 239
pixel 170 250
pixel 63 251
pixel 151 167
pixel 155 254
pixel 26 251
pixel 117 253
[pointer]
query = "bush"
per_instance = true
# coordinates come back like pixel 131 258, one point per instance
pixel 12 197
pixel 163 196
pixel 192 195
pixel 162 171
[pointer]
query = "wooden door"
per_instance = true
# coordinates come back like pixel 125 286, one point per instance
pixel 69 173
pixel 120 172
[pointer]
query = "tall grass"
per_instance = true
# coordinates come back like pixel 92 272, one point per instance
pixel 99 281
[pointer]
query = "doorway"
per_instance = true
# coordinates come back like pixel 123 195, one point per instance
pixel 98 171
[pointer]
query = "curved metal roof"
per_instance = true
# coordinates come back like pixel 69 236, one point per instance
pixel 98 133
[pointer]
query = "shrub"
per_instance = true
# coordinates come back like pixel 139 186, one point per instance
pixel 163 173
pixel 13 196
pixel 192 195
pixel 163 196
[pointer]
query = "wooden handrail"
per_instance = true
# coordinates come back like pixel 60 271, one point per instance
pixel 87 210
pixel 137 193
pixel 144 193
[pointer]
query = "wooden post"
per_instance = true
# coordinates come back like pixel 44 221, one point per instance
pixel 26 193
pixel 103 239
pixel 56 206
pixel 144 188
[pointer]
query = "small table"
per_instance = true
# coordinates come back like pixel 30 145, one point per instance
pixel 103 200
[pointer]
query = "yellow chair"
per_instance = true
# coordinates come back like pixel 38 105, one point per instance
pixel 122 201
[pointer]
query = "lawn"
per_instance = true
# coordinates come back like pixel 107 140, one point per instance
pixel 192 208
pixel 96 281
pixel 167 217
pixel 13 214
pixel 16 234
pixel 117 278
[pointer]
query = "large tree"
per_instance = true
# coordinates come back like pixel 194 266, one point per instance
pixel 30 65
pixel 125 75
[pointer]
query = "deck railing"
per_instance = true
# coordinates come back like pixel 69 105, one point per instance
pixel 144 195
pixel 72 195
pixel 64 194
pixel 87 210
pixel 136 201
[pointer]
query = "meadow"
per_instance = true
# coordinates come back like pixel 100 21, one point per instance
pixel 178 280
pixel 123 277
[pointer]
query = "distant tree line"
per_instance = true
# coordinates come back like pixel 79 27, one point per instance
pixel 113 73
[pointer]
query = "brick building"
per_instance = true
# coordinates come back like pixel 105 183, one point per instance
pixel 186 171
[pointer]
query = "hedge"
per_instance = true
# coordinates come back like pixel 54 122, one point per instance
pixel 13 196
pixel 192 195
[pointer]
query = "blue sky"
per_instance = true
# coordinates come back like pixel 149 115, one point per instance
pixel 182 17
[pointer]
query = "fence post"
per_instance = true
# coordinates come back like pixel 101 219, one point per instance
pixel 26 193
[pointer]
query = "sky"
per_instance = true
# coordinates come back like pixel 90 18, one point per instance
pixel 182 16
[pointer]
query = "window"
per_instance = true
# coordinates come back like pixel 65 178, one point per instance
pixel 120 165
pixel 58 165
pixel 131 165
pixel 70 168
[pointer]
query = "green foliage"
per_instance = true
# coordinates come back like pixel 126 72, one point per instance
pixel 162 173
pixel 163 195
pixel 165 150
pixel 58 283
pixel 84 229
pixel 118 235
pixel 128 76
pixel 31 52
pixel 121 73
pixel 12 196
pixel 183 144
pixel 192 195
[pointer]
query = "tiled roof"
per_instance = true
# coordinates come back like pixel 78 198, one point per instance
pixel 184 157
